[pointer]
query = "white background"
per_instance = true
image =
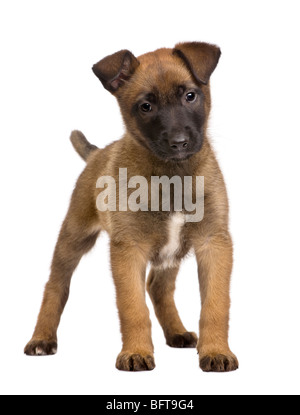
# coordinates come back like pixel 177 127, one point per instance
pixel 47 89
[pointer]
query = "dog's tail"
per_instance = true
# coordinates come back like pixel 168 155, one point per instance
pixel 81 144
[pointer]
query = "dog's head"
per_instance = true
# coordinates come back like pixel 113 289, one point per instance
pixel 164 95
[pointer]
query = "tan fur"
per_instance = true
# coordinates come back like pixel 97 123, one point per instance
pixel 138 238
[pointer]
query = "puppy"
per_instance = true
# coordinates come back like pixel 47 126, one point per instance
pixel 164 97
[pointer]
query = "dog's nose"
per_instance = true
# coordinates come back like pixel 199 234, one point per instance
pixel 179 142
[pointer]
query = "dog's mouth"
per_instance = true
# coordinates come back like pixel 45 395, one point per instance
pixel 179 157
pixel 176 154
pixel 166 156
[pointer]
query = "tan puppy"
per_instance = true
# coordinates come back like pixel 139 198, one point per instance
pixel 164 98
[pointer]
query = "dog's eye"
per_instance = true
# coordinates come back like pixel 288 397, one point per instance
pixel 191 97
pixel 146 107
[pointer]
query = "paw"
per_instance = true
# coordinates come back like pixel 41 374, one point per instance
pixel 41 348
pixel 185 340
pixel 219 363
pixel 135 362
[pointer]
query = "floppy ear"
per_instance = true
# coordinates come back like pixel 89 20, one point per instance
pixel 115 69
pixel 200 58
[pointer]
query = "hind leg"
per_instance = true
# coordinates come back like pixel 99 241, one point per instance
pixel 78 235
pixel 161 288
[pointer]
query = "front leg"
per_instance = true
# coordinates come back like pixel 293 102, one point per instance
pixel 214 257
pixel 129 268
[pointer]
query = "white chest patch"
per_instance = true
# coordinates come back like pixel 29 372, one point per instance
pixel 168 252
